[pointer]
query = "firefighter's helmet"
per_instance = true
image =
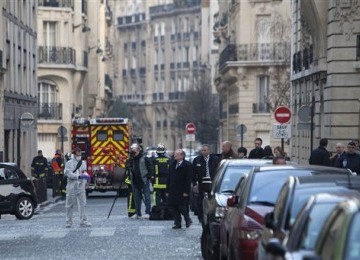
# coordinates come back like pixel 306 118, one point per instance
pixel 160 148
pixel 135 146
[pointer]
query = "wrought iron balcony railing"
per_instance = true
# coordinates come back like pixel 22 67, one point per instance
pixel 261 108
pixel 50 111
pixel 57 55
pixel 256 52
pixel 56 3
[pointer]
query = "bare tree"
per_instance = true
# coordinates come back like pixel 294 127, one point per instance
pixel 119 109
pixel 201 107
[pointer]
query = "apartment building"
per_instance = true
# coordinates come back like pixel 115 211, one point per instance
pixel 325 74
pixel 18 88
pixel 253 68
pixel 163 53
pixel 72 78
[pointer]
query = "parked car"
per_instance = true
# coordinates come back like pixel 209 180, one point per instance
pixel 17 192
pixel 292 197
pixel 255 196
pixel 304 238
pixel 227 176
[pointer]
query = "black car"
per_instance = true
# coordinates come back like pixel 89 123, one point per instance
pixel 17 192
pixel 292 197
pixel 226 178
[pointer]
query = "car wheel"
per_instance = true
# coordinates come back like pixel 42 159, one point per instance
pixel 207 252
pixel 24 208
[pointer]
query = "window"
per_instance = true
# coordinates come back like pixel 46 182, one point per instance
pixel 263 89
pixel 8 174
pixel 47 92
pixel 49 33
pixel 101 136
pixel 358 47
pixel 118 135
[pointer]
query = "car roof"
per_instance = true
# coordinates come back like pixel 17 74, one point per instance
pixel 250 162
pixel 314 168
pixel 8 163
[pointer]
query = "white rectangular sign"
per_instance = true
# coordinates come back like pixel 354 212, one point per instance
pixel 190 138
pixel 281 131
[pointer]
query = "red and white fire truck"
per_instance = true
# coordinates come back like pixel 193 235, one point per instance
pixel 104 143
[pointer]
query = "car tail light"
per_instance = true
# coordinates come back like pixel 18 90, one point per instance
pixel 232 201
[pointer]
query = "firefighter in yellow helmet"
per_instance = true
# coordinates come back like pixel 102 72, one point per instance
pixel 161 170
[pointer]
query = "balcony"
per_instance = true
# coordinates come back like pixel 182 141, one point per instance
pixel 56 55
pixel 261 108
pixel 255 52
pixel 56 3
pixel 50 111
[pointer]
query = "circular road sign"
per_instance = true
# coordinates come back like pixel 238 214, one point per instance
pixel 282 114
pixel 27 119
pixel 190 128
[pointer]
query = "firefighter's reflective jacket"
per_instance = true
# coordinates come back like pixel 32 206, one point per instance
pixel 57 164
pixel 161 171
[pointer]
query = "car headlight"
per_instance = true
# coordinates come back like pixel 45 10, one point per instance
pixel 219 212
pixel 254 235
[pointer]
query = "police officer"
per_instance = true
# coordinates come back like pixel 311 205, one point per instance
pixel 57 164
pixel 161 171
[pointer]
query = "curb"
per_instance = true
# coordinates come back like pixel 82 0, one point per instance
pixel 48 202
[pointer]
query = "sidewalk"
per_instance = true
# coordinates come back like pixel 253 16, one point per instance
pixel 50 199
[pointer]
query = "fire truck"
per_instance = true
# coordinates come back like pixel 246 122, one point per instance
pixel 104 143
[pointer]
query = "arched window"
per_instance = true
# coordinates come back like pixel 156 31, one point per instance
pixel 47 99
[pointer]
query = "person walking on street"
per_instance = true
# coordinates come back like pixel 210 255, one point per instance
pixel 178 189
pixel 350 160
pixel 320 156
pixel 39 166
pixel 267 152
pixel 161 165
pixel 340 152
pixel 75 171
pixel 59 181
pixel 140 175
pixel 204 165
pixel 258 151
pixel 227 151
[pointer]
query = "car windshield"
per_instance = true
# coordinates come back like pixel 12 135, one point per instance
pixel 353 240
pixel 231 178
pixel 314 224
pixel 266 185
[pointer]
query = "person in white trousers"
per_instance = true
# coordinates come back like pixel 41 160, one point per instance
pixel 75 171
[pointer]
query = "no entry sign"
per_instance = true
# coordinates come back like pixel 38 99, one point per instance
pixel 282 115
pixel 190 128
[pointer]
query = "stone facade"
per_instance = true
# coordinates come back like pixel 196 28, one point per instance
pixel 72 67
pixel 18 89
pixel 253 68
pixel 164 46
pixel 325 73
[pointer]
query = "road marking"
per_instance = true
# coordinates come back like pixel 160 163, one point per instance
pixel 102 232
pixel 58 233
pixel 9 236
pixel 150 230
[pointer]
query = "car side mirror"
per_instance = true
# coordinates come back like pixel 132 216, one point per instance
pixel 275 248
pixel 269 220
pixel 232 201
pixel 206 184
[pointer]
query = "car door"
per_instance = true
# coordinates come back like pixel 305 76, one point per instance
pixel 9 187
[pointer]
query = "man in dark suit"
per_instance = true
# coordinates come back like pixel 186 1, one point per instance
pixel 178 188
pixel 258 151
pixel 204 165
pixel 320 156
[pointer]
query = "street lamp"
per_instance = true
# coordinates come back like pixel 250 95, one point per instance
pixel 84 29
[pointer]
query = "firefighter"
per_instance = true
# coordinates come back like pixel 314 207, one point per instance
pixel 130 198
pixel 57 164
pixel 39 166
pixel 39 170
pixel 161 170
